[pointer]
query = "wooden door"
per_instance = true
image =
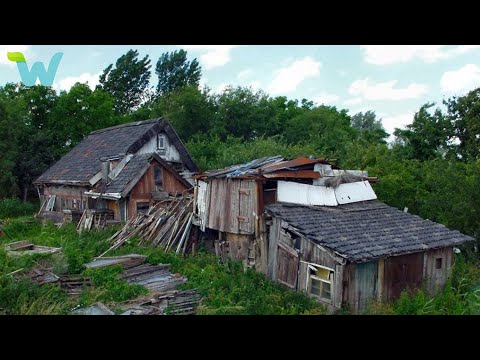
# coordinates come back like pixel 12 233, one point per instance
pixel 402 273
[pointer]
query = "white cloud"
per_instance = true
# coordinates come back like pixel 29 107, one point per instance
pixel 385 90
pixel 69 81
pixel 213 55
pixel 25 49
pixel 353 101
pixel 390 123
pixel 221 87
pixel 391 54
pixel 288 78
pixel 457 81
pixel 255 85
pixel 326 99
pixel 244 74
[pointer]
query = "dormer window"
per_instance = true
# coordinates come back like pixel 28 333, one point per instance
pixel 160 142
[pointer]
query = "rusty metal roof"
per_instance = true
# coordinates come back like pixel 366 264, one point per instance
pixel 268 165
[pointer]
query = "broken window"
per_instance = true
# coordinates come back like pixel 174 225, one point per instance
pixel 142 207
pixel 320 282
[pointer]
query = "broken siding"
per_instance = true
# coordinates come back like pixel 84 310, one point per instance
pixel 315 254
pixel 232 205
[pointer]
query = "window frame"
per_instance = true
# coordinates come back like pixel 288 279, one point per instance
pixel 331 281
pixel 160 137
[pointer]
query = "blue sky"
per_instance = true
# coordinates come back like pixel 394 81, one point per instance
pixel 392 80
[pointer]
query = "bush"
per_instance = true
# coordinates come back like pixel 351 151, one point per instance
pixel 14 207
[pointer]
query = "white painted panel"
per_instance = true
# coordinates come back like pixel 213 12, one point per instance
pixel 202 203
pixel 303 194
pixel 354 192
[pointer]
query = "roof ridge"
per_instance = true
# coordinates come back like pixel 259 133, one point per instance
pixel 132 123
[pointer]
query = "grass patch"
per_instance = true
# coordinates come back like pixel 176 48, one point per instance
pixel 13 207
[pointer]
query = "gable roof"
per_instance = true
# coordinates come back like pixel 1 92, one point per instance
pixel 83 161
pixel 133 171
pixel 367 230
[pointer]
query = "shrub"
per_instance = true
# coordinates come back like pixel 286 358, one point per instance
pixel 13 207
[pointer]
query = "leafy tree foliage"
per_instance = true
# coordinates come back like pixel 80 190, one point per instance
pixel 175 71
pixel 127 82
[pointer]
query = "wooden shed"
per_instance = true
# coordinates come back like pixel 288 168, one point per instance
pixel 353 254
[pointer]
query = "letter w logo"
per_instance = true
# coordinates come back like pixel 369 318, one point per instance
pixel 29 77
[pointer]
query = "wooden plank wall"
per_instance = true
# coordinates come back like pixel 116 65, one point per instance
pixel 66 192
pixel 141 192
pixel 232 204
pixel 434 278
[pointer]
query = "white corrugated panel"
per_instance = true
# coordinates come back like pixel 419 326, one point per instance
pixel 303 194
pixel 202 202
pixel 354 192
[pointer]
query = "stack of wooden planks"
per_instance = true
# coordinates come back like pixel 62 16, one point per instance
pixel 167 224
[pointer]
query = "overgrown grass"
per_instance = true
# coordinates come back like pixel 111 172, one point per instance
pixel 226 288
pixel 13 207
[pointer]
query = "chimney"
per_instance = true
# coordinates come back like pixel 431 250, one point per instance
pixel 105 168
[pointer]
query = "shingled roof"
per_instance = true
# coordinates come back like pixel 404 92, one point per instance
pixel 83 161
pixel 367 230
pixel 134 170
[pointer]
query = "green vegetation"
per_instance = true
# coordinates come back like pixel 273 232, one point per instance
pixel 226 288
pixel 432 167
pixel 13 207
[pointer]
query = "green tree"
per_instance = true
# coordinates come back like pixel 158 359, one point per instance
pixel 79 112
pixel 174 71
pixel 127 82
pixel 427 137
pixel 189 109
pixel 464 117
pixel 370 128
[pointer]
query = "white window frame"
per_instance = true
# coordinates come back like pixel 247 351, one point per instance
pixel 314 267
pixel 160 142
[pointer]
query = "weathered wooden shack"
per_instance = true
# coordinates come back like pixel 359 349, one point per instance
pixel 231 201
pixel 124 168
pixel 352 254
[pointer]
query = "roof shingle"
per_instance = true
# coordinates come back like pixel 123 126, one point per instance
pixel 367 230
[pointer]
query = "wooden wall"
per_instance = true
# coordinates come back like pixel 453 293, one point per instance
pixel 308 252
pixel 141 192
pixel 435 278
pixel 232 204
pixel 360 285
pixel 65 196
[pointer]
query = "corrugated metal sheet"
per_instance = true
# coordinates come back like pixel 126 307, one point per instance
pixel 354 192
pixel 232 204
pixel 296 193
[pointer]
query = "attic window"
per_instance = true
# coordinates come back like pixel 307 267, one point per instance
pixel 320 282
pixel 438 263
pixel 160 142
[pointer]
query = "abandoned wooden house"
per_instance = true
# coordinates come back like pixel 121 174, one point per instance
pixel 230 203
pixel 124 169
pixel 318 229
